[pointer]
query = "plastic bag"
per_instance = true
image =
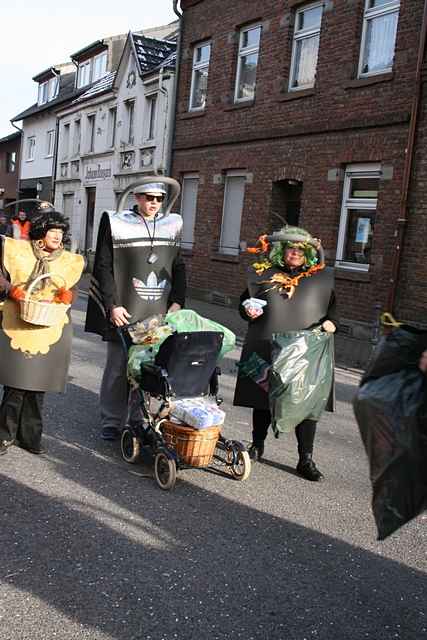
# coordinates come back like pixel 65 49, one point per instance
pixel 188 320
pixel 301 377
pixel 391 411
pixel 137 356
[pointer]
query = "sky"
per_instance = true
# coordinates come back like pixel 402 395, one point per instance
pixel 35 36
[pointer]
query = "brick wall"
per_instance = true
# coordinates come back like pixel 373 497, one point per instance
pixel 281 135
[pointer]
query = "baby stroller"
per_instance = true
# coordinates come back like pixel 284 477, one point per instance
pixel 184 367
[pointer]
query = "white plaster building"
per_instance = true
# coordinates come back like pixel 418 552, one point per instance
pixel 114 133
pixel 56 86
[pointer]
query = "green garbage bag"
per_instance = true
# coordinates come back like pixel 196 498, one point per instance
pixel 188 320
pixel 301 377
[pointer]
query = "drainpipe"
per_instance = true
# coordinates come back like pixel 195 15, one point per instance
pixel 403 211
pixel 165 94
pixel 172 117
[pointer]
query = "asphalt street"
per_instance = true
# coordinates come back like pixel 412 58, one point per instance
pixel 92 549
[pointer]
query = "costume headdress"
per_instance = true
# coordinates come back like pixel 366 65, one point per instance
pixel 271 249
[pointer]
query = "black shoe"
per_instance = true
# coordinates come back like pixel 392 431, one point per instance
pixel 308 470
pixel 38 451
pixel 256 451
pixel 4 445
pixel 111 433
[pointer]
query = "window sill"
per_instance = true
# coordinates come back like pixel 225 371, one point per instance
pixel 148 144
pixel 295 95
pixel 369 80
pixel 245 104
pixel 356 275
pixel 192 114
pixel 186 253
pixel 224 257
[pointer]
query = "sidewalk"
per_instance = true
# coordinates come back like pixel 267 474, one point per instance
pixel 231 319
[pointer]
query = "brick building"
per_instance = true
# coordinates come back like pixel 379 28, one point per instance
pixel 9 168
pixel 301 111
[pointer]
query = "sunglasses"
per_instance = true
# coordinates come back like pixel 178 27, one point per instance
pixel 151 198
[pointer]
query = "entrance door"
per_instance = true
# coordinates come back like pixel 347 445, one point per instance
pixel 285 203
pixel 90 217
pixel 68 211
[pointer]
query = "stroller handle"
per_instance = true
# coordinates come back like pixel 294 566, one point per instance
pixel 176 190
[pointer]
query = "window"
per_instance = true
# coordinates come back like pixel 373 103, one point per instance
pixel 31 148
pixel 247 63
pixel 99 66
pixel 378 36
pixel 357 222
pixel 50 143
pixel 11 162
pixel 130 108
pixel 234 194
pixel 42 97
pixel 77 137
pixel 199 78
pixel 190 187
pixel 112 123
pixel 151 116
pixel 53 86
pixel 305 47
pixel 65 140
pixel 83 75
pixel 91 70
pixel 91 133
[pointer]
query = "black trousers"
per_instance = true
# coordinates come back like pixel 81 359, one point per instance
pixel 21 417
pixel 305 431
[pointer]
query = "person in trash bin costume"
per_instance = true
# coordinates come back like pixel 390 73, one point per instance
pixel 138 272
pixel 34 358
pixel 299 292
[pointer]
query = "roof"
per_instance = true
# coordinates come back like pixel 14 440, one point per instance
pixel 66 92
pixel 10 137
pixel 150 52
pixel 164 32
pixel 100 86
pixel 93 45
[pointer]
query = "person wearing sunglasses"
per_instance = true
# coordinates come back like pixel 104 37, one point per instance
pixel 138 272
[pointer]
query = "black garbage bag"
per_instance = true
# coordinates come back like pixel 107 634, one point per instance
pixel 391 411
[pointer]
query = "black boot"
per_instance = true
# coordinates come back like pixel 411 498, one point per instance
pixel 256 451
pixel 307 469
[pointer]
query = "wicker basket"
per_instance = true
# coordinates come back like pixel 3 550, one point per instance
pixel 46 314
pixel 195 447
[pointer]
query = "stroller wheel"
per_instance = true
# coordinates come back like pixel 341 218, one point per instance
pixel 165 471
pixel 240 462
pixel 130 446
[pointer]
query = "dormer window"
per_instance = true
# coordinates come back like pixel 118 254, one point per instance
pixel 48 90
pixel 92 69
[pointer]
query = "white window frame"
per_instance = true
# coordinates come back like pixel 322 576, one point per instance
pixel 112 126
pixel 393 6
pixel 198 66
pixel 65 143
pixel 53 88
pixel 372 170
pixel 224 249
pixel 189 176
pixel 151 120
pixel 243 52
pixel 103 66
pixel 31 148
pixel 84 65
pixel 50 143
pixel 42 95
pixel 130 121
pixel 302 35
pixel 91 123
pixel 77 135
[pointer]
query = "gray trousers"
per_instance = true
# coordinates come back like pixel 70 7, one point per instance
pixel 116 410
pixel 113 396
